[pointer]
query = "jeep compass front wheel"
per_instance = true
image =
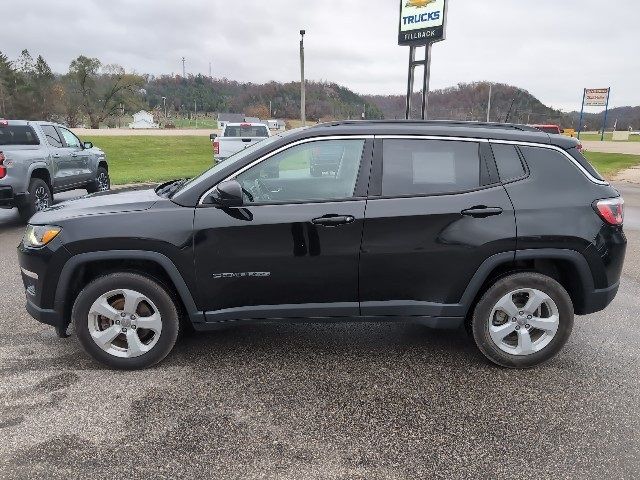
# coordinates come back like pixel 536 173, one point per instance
pixel 523 320
pixel 126 321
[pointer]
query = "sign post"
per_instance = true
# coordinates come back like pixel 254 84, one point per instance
pixel 422 23
pixel 595 97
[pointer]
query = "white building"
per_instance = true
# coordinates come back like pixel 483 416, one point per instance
pixel 143 119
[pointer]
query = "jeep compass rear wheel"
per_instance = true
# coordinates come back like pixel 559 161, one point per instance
pixel 523 320
pixel 126 321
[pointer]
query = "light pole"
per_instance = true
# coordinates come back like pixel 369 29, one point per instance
pixel 303 112
pixel 164 103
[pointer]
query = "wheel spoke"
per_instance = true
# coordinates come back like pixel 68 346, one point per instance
pixel 135 346
pixel 536 299
pixel 101 307
pixel 154 323
pixel 507 306
pixel 105 337
pixel 131 301
pixel 549 325
pixel 525 346
pixel 498 333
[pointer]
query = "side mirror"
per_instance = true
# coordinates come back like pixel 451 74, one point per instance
pixel 87 145
pixel 213 136
pixel 227 194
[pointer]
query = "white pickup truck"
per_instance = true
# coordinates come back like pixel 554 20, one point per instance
pixel 236 137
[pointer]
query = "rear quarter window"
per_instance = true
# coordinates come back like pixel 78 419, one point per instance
pixel 508 161
pixel 18 135
pixel 578 157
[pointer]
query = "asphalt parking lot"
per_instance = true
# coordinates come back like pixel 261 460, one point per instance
pixel 348 401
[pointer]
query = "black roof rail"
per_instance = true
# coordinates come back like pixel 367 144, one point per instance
pixel 454 123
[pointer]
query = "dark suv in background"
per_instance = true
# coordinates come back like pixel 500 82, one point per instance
pixel 502 228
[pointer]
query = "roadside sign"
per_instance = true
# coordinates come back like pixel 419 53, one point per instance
pixel 421 21
pixel 596 97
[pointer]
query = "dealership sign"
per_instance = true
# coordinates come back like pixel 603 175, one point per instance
pixel 422 21
pixel 596 97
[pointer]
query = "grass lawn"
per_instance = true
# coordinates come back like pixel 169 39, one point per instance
pixel 154 159
pixel 203 123
pixel 608 137
pixel 608 164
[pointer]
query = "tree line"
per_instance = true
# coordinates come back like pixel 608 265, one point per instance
pixel 94 94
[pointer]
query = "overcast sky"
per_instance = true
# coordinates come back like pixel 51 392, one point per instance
pixel 553 48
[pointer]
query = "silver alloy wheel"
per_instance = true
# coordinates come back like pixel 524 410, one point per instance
pixel 524 321
pixel 103 182
pixel 41 199
pixel 124 323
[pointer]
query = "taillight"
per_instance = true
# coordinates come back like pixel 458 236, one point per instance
pixel 611 210
pixel 216 147
pixel 4 123
pixel 3 169
pixel 579 146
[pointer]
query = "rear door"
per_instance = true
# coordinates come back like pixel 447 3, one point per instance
pixel 61 161
pixel 436 211
pixel 292 250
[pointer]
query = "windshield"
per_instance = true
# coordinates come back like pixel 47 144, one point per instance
pixel 236 158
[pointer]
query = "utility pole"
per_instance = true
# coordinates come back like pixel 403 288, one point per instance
pixel 184 71
pixel 270 110
pixel 195 112
pixel 303 112
pixel 489 104
pixel 164 102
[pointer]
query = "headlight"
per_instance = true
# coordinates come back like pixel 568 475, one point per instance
pixel 37 236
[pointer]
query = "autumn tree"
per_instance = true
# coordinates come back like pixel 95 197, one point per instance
pixel 102 89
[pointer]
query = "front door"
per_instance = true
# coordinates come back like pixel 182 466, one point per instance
pixel 439 211
pixel 78 160
pixel 292 250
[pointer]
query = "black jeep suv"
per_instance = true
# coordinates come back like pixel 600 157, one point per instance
pixel 502 228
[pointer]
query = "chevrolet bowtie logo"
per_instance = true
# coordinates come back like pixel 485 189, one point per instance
pixel 418 3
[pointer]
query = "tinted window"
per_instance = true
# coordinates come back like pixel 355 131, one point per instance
pixel 575 153
pixel 321 170
pixel 70 139
pixel 52 136
pixel 550 129
pixel 416 167
pixel 249 131
pixel 508 161
pixel 18 135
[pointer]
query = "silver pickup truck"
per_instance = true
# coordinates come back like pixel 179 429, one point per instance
pixel 236 137
pixel 38 159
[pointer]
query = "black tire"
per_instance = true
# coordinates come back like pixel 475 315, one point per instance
pixel 150 289
pixel 38 198
pixel 102 176
pixel 511 283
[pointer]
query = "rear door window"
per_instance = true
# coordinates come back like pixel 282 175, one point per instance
pixel 429 167
pixel 508 161
pixel 18 135
pixel 52 136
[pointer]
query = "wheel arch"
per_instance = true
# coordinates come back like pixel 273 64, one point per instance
pixel 82 268
pixel 568 267
pixel 40 170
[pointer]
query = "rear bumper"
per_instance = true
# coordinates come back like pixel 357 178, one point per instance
pixel 8 198
pixel 598 300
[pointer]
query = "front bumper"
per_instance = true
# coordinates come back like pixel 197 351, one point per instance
pixel 40 269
